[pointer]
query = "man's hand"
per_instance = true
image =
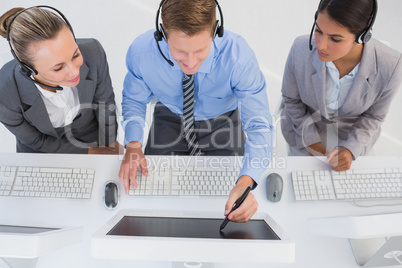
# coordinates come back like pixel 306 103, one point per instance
pixel 114 148
pixel 248 208
pixel 133 159
pixel 317 149
pixel 340 159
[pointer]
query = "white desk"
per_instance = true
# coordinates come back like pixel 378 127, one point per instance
pixel 311 251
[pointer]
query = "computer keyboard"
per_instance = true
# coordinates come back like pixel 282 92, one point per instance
pixel 366 184
pixel 190 181
pixel 46 182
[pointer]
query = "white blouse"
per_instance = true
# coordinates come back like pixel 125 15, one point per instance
pixel 62 105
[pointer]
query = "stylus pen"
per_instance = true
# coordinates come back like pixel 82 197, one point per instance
pixel 236 205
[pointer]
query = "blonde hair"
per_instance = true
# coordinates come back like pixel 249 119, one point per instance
pixel 189 16
pixel 32 25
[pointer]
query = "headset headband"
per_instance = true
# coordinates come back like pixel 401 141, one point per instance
pixel 159 33
pixel 22 11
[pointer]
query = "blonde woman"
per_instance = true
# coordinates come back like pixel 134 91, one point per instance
pixel 56 95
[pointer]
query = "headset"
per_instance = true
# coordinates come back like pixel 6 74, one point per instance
pixel 26 70
pixel 363 37
pixel 159 33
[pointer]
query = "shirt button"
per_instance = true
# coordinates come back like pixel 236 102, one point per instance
pixel 195 100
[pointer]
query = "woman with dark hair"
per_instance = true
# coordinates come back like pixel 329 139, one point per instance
pixel 56 95
pixel 342 82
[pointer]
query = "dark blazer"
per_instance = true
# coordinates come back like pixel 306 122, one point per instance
pixel 23 112
pixel 359 119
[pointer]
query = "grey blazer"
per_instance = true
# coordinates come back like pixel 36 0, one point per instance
pixel 23 112
pixel 359 119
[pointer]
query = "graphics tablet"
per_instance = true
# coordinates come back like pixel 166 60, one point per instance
pixel 191 236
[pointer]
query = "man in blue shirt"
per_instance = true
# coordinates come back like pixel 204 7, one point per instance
pixel 228 84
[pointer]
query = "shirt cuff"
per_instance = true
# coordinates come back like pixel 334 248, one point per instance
pixel 254 169
pixel 133 132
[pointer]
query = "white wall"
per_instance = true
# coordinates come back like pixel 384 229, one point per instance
pixel 269 27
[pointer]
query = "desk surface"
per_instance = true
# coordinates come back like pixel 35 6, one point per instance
pixel 311 250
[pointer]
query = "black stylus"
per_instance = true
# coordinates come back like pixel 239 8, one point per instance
pixel 236 205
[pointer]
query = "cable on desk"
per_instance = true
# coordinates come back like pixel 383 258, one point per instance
pixel 396 258
pixel 375 205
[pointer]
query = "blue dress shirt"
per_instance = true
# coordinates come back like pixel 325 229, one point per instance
pixel 229 77
pixel 337 88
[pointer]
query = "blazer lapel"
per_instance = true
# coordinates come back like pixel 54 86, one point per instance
pixel 86 87
pixel 318 82
pixel 361 85
pixel 36 113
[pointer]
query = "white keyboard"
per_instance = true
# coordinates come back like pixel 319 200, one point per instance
pixel 191 181
pixel 366 184
pixel 46 182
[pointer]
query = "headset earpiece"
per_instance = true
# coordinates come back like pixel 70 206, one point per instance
pixel 28 70
pixel 366 35
pixel 218 30
pixel 158 36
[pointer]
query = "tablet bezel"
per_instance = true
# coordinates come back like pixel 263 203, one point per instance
pixel 33 245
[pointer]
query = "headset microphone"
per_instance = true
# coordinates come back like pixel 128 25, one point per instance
pixel 159 33
pixel 163 55
pixel 39 83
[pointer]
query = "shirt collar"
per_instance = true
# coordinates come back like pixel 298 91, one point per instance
pixel 352 74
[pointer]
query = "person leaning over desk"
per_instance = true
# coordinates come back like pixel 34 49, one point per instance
pixel 344 79
pixel 56 95
pixel 196 52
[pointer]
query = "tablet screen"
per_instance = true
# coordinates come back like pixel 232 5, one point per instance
pixel 24 229
pixel 192 228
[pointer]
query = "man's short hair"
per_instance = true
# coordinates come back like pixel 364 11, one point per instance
pixel 189 16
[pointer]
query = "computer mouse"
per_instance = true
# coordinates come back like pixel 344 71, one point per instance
pixel 274 187
pixel 111 198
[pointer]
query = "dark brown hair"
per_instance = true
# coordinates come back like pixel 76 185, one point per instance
pixel 352 14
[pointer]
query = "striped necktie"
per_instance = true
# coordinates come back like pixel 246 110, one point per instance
pixel 188 115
